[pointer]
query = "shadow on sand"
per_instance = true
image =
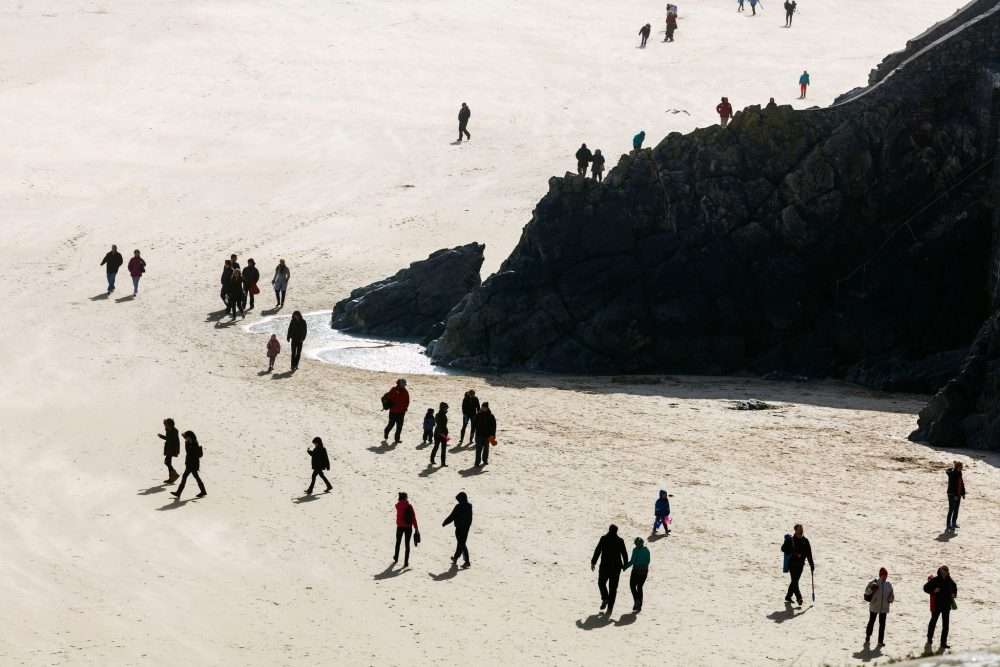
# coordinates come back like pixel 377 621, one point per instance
pixel 446 575
pixel 429 470
pixel 946 536
pixel 216 315
pixel 130 297
pixel 270 311
pixel 177 503
pixel 306 498
pixel 159 488
pixel 473 471
pixel 593 622
pixel 390 572
pixel 867 654
pixel 103 296
pixel 383 448
pixel 788 613
pixel 282 376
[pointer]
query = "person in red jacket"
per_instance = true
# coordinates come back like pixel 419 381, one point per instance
pixel 725 111
pixel 406 525
pixel 136 267
pixel 397 401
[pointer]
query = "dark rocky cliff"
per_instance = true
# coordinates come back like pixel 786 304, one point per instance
pixel 852 241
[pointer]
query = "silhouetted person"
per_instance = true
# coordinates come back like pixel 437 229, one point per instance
pixel 799 552
pixel 226 279
pixel 611 552
pixel 771 105
pixel 639 562
pixel 644 34
pixel 136 267
pixel 583 157
pixel 638 139
pixel 192 464
pixel 297 331
pixel 235 295
pixel 428 427
pixel 397 402
pixel 661 512
pixel 597 166
pixel 461 516
pixel 320 462
pixel 943 591
pixel 406 525
pixel 790 7
pixel 280 282
pixel 956 491
pixel 671 27
pixel 441 434
pixel 273 349
pixel 251 276
pixel 470 408
pixel 234 261
pixel 171 448
pixel 486 431
pixel 803 84
pixel 463 122
pixel 112 261
pixel 725 111
pixel 880 597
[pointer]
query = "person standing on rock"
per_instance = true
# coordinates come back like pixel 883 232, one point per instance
pixel 485 429
pixel 640 564
pixel 583 158
pixel 597 166
pixel 671 27
pixel 461 516
pixel 236 294
pixel 397 402
pixel 799 551
pixel 790 7
pixel 280 282
pixel 725 111
pixel 320 463
pixel 956 491
pixel 297 331
pixel 406 526
pixel 610 551
pixel 251 276
pixel 943 591
pixel 171 448
pixel 880 597
pixel 225 280
pixel 112 261
pixel 463 122
pixel 638 139
pixel 644 34
pixel 803 84
pixel 441 434
pixel 136 267
pixel 470 408
pixel 192 464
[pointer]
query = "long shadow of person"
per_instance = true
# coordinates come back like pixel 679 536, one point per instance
pixel 216 315
pixel 428 471
pixel 593 622
pixel 130 297
pixel 473 471
pixel 153 489
pixel 307 498
pixel 270 311
pixel 383 448
pixel 787 614
pixel 627 619
pixel 446 575
pixel 946 536
pixel 175 504
pixel 867 654
pixel 224 325
pixel 282 376
pixel 103 296
pixel 656 537
pixel 390 572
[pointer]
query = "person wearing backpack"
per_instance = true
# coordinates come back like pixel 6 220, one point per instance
pixel 406 525
pixel 192 464
pixel 879 596
pixel 320 462
pixel 397 402
pixel 799 552
pixel 943 591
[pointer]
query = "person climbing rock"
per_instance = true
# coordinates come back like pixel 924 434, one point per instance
pixel 463 122
pixel 112 261
pixel 320 462
pixel 639 562
pixel 192 464
pixel 297 332
pixel 597 166
pixel 486 431
pixel 583 158
pixel 441 434
pixel 406 526
pixel 803 84
pixel 397 402
pixel 171 448
pixel 461 516
pixel 610 551
pixel 638 139
pixel 470 408
pixel 644 34
pixel 799 552
pixel 956 491
pixel 725 111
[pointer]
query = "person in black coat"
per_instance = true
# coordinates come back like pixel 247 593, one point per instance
pixel 583 158
pixel 235 294
pixel 610 551
pixel 461 516
pixel 800 552
pixel 192 464
pixel 171 448
pixel 470 408
pixel 441 434
pixel 956 491
pixel 597 166
pixel 463 122
pixel 112 261
pixel 251 276
pixel 485 429
pixel 320 462
pixel 297 331
pixel 226 279
pixel 943 591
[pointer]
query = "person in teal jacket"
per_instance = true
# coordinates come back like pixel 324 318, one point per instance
pixel 803 84
pixel 639 562
pixel 638 139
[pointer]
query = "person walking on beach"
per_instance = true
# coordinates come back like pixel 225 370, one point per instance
pixel 235 294
pixel 943 591
pixel 463 122
pixel 610 551
pixel 671 27
pixel 638 139
pixel 644 34
pixel 790 7
pixel 251 276
pixel 803 84
pixel 397 402
pixel 428 427
pixel 406 526
pixel 461 516
pixel 880 596
pixel 799 552
pixel 192 464
pixel 639 562
pixel 297 331
pixel 661 512
pixel 725 111
pixel 226 279
pixel 441 434
pixel 739 5
pixel 112 261
pixel 470 408
pixel 273 348
pixel 597 166
pixel 320 462
pixel 753 6
pixel 956 491
pixel 485 429
pixel 171 448
pixel 583 158
pixel 136 267
pixel 280 282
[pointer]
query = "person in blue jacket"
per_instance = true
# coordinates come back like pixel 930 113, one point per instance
pixel 661 510
pixel 638 139
pixel 803 84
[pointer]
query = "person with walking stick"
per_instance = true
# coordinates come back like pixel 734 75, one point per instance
pixel 799 552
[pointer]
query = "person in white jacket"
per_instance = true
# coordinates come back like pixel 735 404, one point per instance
pixel 878 607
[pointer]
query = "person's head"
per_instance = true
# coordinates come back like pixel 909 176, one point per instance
pixel 168 422
pixel 443 407
pixel 401 383
pixel 250 262
pixel 638 542
pixel 472 392
pixel 663 493
pixel 583 145
pixel 296 315
pixel 114 248
pixel 485 407
pixel 798 530
pixel 281 262
pixel 189 436
pixel 430 412
pixel 318 441
pixel 274 336
pixel 883 573
pixel 725 99
pixel 228 264
pixel 461 497
pixel 612 529
pixel 403 497
pixel 464 104
pixel 771 101
pixel 958 465
pixel 237 275
pixel 232 258
pixel 943 572
pixel 597 152
pixel 135 252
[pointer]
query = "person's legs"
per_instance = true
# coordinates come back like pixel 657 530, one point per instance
pixel 399 538
pixel 322 476
pixel 135 285
pixel 881 629
pixel 444 450
pixel 479 452
pixel 111 282
pixel 636 581
pixel 184 479
pixel 460 547
pixel 486 451
pixel 171 473
pixel 283 297
pixel 945 617
pixel 312 482
pixel 437 443
pixel 399 426
pixel 407 532
pixel 465 422
pixel 388 427
pixel 602 586
pixel 870 627
pixel 296 353
pixel 201 485
pixel 954 516
pixel 952 512
pixel 793 585
pixel 932 625
pixel 613 587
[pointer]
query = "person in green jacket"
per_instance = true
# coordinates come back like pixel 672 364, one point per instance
pixel 639 562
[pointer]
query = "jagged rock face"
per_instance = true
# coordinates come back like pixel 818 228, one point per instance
pixel 814 242
pixel 414 302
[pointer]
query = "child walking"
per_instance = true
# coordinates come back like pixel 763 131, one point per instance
pixel 320 462
pixel 273 348
pixel 661 512
pixel 428 427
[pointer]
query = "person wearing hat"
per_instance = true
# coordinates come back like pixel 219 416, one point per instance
pixel 956 491
pixel 320 462
pixel 398 400
pixel 639 562
pixel 880 596
pixel 485 427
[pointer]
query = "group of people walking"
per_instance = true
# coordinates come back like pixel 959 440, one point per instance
pixel 192 457
pixel 595 160
pixel 407 528
pixel 239 285
pixel 113 261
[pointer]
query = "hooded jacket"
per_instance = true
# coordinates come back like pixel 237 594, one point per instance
pixel 136 266
pixel 406 516
pixel 273 347
pixel 724 109
pixel 584 155
pixel 461 516
pixel 192 456
pixel 662 506
pixel 251 276
pixel 441 422
pixel 464 114
pixel 486 425
pixel 638 139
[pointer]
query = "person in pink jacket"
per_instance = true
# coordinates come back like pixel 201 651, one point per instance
pixel 273 348
pixel 136 267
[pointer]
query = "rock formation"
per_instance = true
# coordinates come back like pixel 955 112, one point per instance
pixel 851 241
pixel 414 302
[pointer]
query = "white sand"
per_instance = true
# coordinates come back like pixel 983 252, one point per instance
pixel 191 129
